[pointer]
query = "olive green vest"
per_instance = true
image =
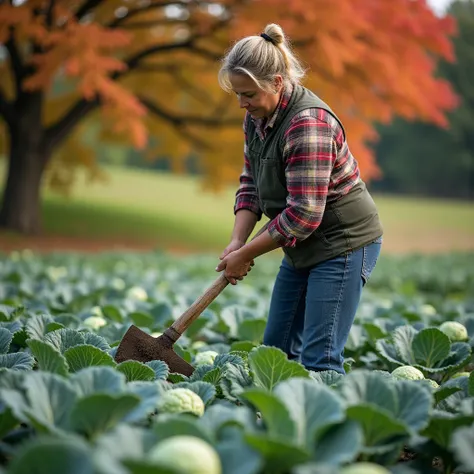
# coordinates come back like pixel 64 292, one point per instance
pixel 348 223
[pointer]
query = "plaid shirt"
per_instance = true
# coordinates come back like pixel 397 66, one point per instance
pixel 319 169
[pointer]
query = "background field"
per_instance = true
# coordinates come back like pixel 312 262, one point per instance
pixel 141 210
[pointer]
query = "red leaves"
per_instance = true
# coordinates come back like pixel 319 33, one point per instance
pixel 369 59
pixel 80 51
pixel 84 51
pixel 12 17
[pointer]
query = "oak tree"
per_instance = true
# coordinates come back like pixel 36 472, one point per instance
pixel 144 72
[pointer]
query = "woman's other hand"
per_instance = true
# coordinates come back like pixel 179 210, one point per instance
pixel 234 266
pixel 232 247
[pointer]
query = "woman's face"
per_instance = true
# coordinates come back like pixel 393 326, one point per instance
pixel 257 102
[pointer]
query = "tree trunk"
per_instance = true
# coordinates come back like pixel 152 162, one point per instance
pixel 21 197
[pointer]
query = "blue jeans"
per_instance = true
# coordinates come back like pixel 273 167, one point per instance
pixel 312 310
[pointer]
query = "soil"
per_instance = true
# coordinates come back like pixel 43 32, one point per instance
pixel 47 243
pixel 57 243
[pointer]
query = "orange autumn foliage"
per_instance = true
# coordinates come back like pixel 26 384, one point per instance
pixel 150 69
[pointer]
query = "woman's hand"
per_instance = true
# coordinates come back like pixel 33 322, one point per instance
pixel 234 245
pixel 234 266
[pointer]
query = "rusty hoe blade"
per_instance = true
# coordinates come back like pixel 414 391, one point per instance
pixel 140 346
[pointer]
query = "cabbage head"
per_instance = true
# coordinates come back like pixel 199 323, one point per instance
pixel 205 357
pixel 455 331
pixel 433 384
pixel 137 293
pixel 181 400
pixel 186 454
pixel 407 372
pixel 364 468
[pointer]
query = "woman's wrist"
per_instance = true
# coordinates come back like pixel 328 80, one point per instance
pixel 259 246
pixel 238 241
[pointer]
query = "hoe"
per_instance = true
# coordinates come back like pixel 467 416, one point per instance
pixel 140 346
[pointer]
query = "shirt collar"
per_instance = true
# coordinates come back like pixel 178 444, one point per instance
pixel 262 124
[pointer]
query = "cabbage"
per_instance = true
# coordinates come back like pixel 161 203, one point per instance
pixel 117 284
pixel 432 383
pixel 428 309
pixel 15 256
pixel 407 372
pixel 364 468
pixel 198 345
pixel 181 400
pixel 56 273
pixel 94 322
pixel 205 357
pixel 186 454
pixel 97 311
pixel 137 293
pixel 27 254
pixel 460 374
pixel 455 331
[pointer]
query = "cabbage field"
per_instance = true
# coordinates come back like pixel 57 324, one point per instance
pixel 406 404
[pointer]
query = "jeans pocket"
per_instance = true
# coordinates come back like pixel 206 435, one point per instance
pixel 371 254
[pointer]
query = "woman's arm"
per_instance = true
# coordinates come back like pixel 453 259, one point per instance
pixel 244 224
pixel 246 207
pixel 310 153
pixel 262 244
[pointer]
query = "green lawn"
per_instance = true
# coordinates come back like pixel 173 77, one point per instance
pixel 144 205
pixel 171 210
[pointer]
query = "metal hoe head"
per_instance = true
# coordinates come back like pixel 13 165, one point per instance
pixel 140 346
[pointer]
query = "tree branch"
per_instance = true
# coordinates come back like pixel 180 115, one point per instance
pixel 205 53
pixel 165 67
pixel 153 5
pixel 16 61
pixel 193 91
pixel 186 119
pixel 6 109
pixel 86 7
pixel 169 68
pixel 151 23
pixel 134 60
pixel 64 125
pixel 58 131
pixel 176 122
pixel 49 13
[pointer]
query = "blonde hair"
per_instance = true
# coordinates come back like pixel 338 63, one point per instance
pixel 262 59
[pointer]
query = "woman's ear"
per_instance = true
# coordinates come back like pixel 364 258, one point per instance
pixel 278 83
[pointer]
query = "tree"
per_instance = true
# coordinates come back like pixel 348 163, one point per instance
pixel 147 70
pixel 423 159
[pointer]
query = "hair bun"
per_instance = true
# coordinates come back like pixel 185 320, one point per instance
pixel 275 32
pixel 253 57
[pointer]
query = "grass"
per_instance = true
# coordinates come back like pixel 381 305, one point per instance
pixel 143 205
pixel 169 210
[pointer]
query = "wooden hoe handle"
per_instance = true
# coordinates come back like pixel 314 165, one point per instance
pixel 193 312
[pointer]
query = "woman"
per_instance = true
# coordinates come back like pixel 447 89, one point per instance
pixel 299 172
